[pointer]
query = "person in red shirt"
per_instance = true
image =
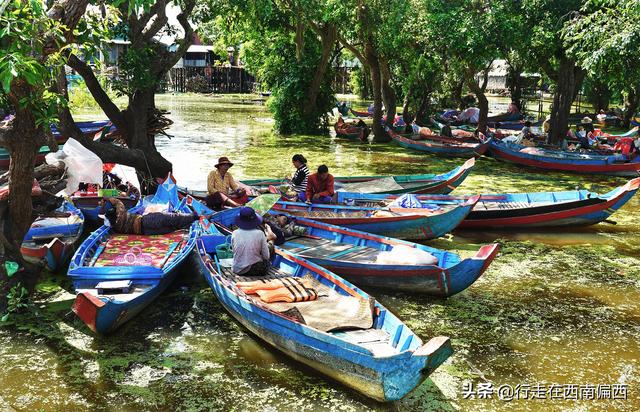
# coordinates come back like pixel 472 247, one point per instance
pixel 320 186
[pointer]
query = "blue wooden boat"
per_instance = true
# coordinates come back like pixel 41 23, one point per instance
pixel 440 145
pixel 401 223
pixel 116 276
pixel 87 128
pixel 379 357
pixel 355 255
pixel 564 161
pixel 521 210
pixel 90 205
pixel 52 238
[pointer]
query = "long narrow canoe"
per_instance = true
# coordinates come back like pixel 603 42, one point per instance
pixel 90 205
pixel 358 257
pixel 53 238
pixel 440 145
pixel 148 264
pixel 373 353
pixel 87 128
pixel 426 183
pixel 401 223
pixel 522 210
pixel 564 161
pixel 361 114
pixel 352 131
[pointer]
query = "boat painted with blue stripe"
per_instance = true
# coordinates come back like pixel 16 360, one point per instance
pixel 384 362
pixel 401 223
pixel 440 145
pixel 52 239
pixel 565 161
pixel 523 210
pixel 103 313
pixel 353 255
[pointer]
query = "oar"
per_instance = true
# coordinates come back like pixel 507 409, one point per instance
pixel 172 248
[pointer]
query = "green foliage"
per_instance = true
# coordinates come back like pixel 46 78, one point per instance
pixel 134 73
pixel 17 299
pixel 23 57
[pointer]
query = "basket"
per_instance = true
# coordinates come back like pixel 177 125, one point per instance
pixel 223 251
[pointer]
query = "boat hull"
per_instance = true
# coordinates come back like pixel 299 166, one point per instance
pixel 54 254
pixel 442 147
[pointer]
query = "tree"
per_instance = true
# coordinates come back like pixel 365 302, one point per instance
pixel 32 42
pixel 142 68
pixel 603 38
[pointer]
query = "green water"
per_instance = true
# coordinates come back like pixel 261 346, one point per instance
pixel 557 306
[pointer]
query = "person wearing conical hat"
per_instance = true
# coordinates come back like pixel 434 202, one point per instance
pixel 223 189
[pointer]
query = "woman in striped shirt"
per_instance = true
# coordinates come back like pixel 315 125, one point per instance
pixel 299 179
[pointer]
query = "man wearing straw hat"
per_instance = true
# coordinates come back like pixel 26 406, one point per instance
pixel 223 189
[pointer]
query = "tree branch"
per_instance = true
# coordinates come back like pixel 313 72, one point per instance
pixel 159 9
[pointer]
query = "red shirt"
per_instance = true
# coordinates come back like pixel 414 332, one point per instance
pixel 316 187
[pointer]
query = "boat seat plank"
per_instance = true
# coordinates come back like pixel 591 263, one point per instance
pixel 366 254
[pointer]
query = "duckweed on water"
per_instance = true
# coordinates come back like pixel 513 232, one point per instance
pixel 557 306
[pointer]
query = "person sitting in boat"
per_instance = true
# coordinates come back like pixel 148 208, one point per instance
pixel 249 243
pixel 320 186
pixel 446 129
pixel 156 223
pixel 526 131
pixel 343 108
pixel 223 189
pixel 513 109
pixel 299 180
pixel 479 136
pixel 278 227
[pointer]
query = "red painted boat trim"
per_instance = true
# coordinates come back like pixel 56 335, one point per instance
pixel 86 306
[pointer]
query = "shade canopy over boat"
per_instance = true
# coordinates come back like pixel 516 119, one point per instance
pixel 566 161
pixel 344 333
pixel 370 260
pixel 115 275
pixel 512 210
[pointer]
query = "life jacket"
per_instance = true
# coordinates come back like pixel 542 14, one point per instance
pixel 624 145
pixel 287 289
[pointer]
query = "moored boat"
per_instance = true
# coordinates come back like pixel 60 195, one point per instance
pixel 523 210
pixel 363 258
pixel 115 276
pixel 440 145
pixel 401 223
pixel 423 183
pixel 352 131
pixel 91 208
pixel 52 238
pixel 343 334
pixel 565 161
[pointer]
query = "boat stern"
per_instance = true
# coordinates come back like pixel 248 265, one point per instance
pixel 88 308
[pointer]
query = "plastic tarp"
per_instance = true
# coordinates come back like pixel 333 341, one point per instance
pixel 406 255
pixel 371 186
pixel 407 201
pixel 82 164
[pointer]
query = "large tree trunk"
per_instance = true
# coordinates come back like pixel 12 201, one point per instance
pixel 328 36
pixel 379 134
pixel 631 103
pixel 479 91
pixel 514 83
pixel 388 94
pixel 457 95
pixel 406 102
pixel 570 78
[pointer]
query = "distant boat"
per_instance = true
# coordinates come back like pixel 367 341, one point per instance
pixel 373 352
pixel 52 238
pixel 355 256
pixel 523 210
pixel 440 145
pixel 115 276
pixel 565 161
pixel 352 131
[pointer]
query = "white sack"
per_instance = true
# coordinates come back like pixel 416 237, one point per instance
pixel 406 255
pixel 82 164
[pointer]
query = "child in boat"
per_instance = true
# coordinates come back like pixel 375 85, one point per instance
pixel 223 189
pixel 249 243
pixel 157 223
pixel 320 186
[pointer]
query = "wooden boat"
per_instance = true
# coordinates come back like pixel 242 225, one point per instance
pixel 89 128
pixel 361 114
pixel 53 238
pixel 523 210
pixel 115 276
pixel 90 205
pixel 352 131
pixel 564 161
pixel 401 223
pixel 354 255
pixel 5 157
pixel 379 357
pixel 440 145
pixel 426 183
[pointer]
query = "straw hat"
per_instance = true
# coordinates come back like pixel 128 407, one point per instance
pixel 586 120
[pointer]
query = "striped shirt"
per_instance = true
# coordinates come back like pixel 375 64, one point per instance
pixel 299 179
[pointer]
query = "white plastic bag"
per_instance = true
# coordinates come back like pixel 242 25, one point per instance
pixel 406 255
pixel 82 164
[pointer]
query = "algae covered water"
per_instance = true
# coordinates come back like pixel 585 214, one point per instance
pixel 556 317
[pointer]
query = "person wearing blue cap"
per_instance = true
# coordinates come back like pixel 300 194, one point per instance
pixel 249 243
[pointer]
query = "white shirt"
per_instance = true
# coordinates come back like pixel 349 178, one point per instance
pixel 249 247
